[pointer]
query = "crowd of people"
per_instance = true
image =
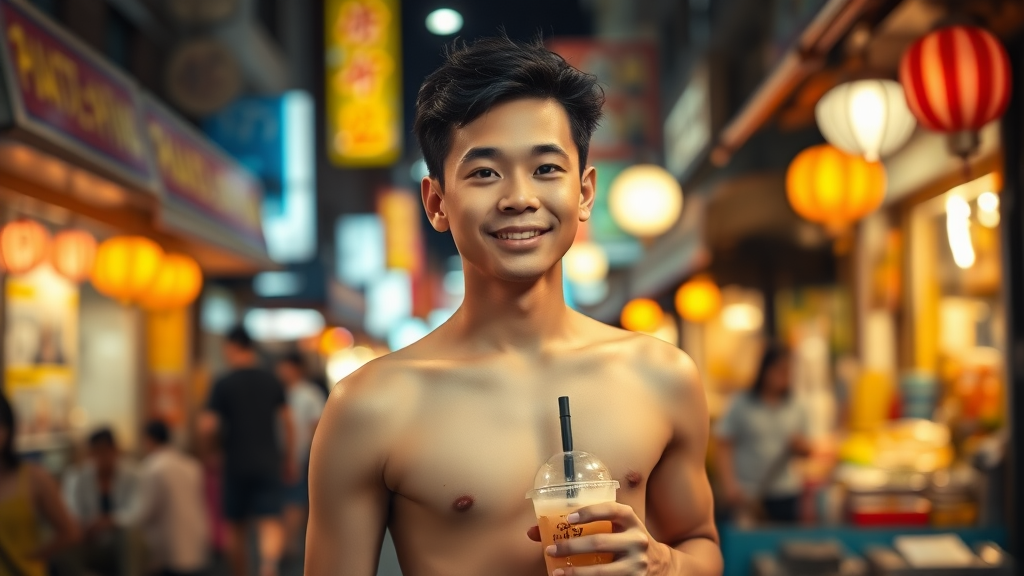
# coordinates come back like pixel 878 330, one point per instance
pixel 173 512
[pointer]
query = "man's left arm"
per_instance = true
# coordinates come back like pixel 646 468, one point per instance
pixel 679 537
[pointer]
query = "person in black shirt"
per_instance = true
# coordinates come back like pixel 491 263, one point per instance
pixel 245 407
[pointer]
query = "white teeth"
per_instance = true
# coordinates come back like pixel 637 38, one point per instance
pixel 517 235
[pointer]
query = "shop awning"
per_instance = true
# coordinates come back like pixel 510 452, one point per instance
pixel 79 133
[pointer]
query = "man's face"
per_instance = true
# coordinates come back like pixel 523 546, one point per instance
pixel 513 196
pixel 105 456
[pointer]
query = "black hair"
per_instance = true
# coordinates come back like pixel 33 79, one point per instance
pixel 295 359
pixel 774 353
pixel 239 336
pixel 158 432
pixel 8 456
pixel 477 76
pixel 102 437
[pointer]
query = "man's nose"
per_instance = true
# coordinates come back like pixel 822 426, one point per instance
pixel 519 195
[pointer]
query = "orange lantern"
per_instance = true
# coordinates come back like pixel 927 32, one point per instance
pixel 833 188
pixel 24 244
pixel 957 79
pixel 642 315
pixel 699 300
pixel 335 339
pixel 177 284
pixel 126 267
pixel 73 254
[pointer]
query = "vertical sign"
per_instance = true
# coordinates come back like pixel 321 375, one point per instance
pixel 41 351
pixel 363 77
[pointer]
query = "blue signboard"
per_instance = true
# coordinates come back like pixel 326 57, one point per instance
pixel 273 136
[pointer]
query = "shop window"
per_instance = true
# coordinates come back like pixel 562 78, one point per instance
pixel 958 309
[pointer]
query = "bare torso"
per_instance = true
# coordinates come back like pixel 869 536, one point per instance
pixel 466 434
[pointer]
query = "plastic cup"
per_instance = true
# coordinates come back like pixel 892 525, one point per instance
pixel 555 497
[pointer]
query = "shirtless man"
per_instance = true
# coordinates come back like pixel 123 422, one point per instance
pixel 440 441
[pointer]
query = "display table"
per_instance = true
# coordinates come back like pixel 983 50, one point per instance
pixel 739 546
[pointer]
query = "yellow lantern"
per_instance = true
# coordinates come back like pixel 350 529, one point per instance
pixel 833 188
pixel 24 244
pixel 698 300
pixel 126 267
pixel 177 284
pixel 642 315
pixel 73 254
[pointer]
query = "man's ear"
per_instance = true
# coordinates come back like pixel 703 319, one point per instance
pixel 433 203
pixel 588 192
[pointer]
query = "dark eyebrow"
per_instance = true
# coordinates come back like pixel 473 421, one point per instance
pixel 541 149
pixel 478 153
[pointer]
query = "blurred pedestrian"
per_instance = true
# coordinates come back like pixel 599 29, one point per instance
pixel 247 406
pixel 170 508
pixel 28 494
pixel 97 493
pixel 758 439
pixel 306 402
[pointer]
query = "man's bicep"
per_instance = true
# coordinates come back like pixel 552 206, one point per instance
pixel 348 499
pixel 679 501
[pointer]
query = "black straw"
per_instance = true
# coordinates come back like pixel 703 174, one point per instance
pixel 564 420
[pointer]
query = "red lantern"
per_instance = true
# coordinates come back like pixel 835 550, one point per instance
pixel 24 244
pixel 957 79
pixel 73 254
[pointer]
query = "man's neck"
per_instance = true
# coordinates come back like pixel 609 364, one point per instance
pixel 506 315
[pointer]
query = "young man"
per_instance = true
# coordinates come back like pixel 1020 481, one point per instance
pixel 441 441
pixel 247 406
pixel 306 402
pixel 169 507
pixel 97 494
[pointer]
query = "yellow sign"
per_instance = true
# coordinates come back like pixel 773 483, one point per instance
pixel 364 90
pixel 400 210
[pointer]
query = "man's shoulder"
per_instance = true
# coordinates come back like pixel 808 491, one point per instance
pixel 376 394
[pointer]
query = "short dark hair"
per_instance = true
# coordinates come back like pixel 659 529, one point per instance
pixel 239 336
pixel 476 77
pixel 158 432
pixel 774 353
pixel 295 359
pixel 7 420
pixel 102 437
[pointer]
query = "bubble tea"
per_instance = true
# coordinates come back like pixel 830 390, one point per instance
pixel 568 481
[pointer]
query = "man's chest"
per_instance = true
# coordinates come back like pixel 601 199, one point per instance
pixel 473 453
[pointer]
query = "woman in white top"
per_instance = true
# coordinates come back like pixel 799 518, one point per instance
pixel 306 402
pixel 757 440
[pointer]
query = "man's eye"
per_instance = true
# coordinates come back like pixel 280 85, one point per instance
pixel 483 173
pixel 548 169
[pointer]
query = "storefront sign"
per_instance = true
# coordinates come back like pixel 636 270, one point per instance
pixel 196 174
pixel 364 93
pixel 66 94
pixel 628 72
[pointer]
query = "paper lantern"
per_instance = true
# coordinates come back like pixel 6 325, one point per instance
pixel 698 300
pixel 642 315
pixel 833 188
pixel 126 267
pixel 957 79
pixel 24 244
pixel 177 284
pixel 335 339
pixel 645 200
pixel 585 263
pixel 868 118
pixel 73 254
